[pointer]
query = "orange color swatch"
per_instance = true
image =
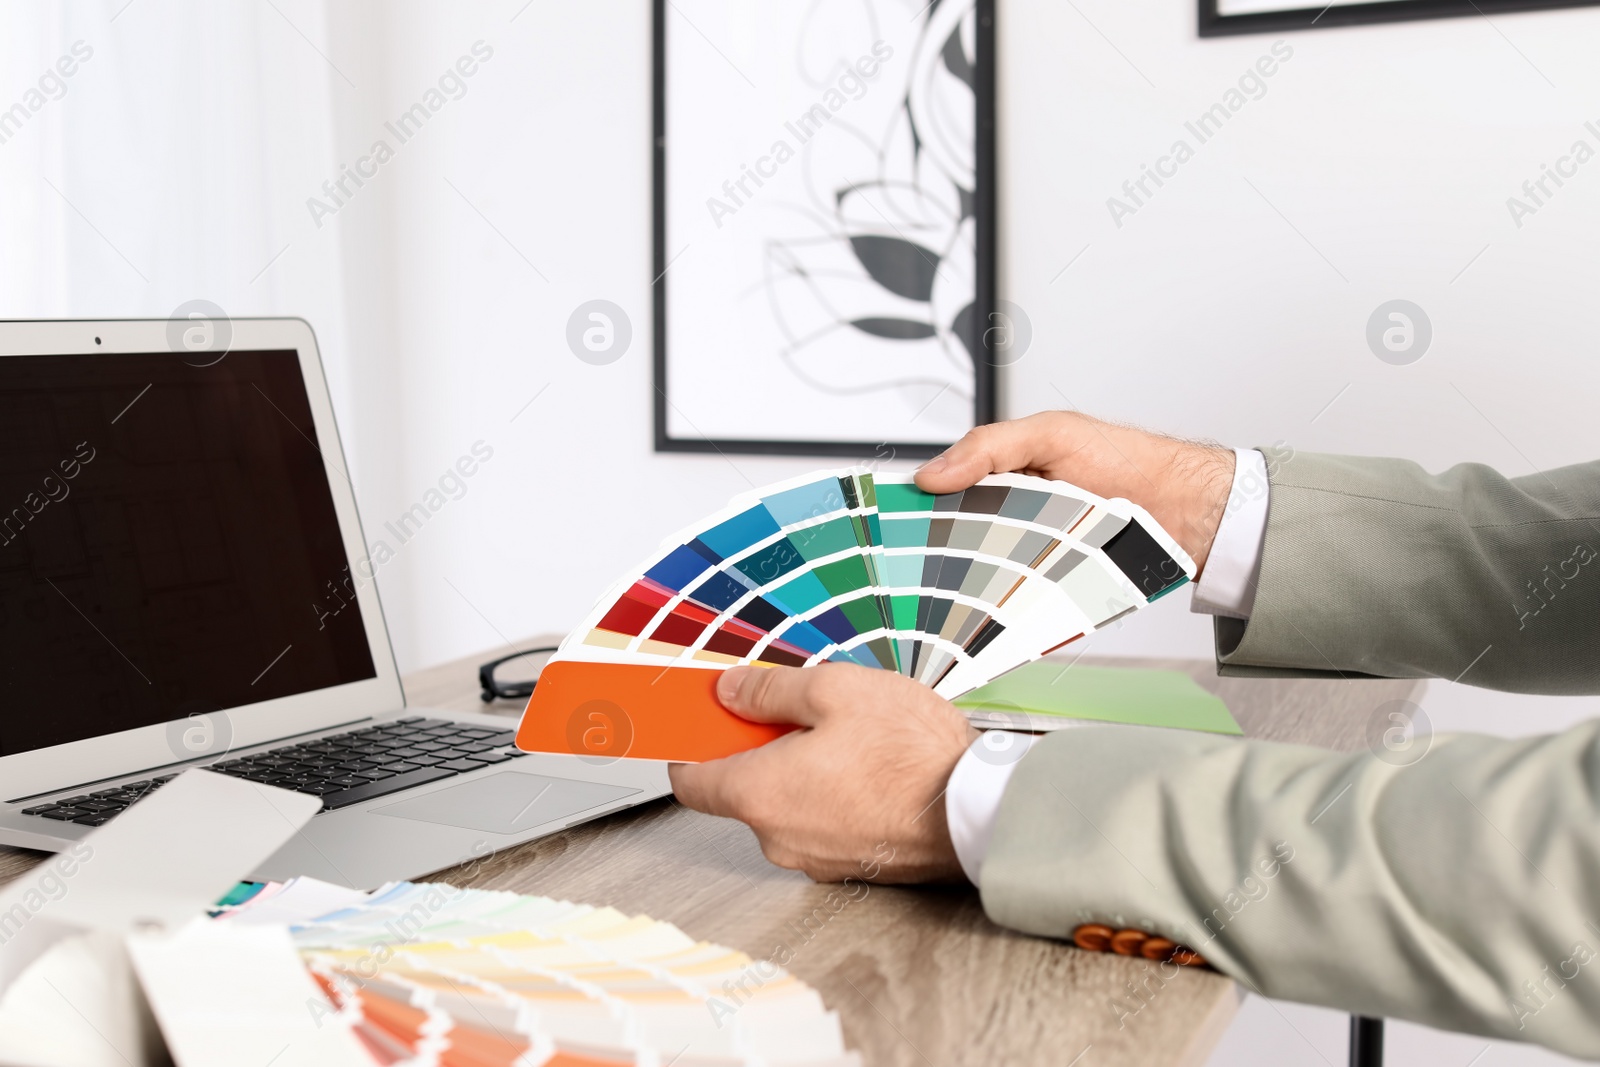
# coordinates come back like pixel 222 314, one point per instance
pixel 635 710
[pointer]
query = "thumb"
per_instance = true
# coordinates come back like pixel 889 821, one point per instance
pixel 772 694
pixel 999 447
pixel 701 786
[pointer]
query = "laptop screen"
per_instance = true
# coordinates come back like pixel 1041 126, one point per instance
pixel 168 544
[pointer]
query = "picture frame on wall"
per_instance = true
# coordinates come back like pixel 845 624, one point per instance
pixel 824 227
pixel 1219 18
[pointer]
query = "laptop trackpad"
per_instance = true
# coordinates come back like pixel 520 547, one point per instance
pixel 506 803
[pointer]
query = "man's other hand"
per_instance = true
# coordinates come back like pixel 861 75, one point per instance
pixel 859 791
pixel 1184 485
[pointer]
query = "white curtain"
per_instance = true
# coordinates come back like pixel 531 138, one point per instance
pixel 156 152
pixel 175 163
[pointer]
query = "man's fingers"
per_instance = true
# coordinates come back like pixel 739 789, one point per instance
pixel 800 695
pixel 994 449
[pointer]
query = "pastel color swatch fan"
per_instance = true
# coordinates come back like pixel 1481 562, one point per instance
pixel 843 566
pixel 431 974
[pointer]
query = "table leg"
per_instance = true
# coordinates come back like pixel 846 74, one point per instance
pixel 1366 1041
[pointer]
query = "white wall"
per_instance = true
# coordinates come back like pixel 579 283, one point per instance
pixel 1390 149
pixel 551 145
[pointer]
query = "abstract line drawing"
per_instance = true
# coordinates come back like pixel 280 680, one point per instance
pixel 849 273
pixel 893 261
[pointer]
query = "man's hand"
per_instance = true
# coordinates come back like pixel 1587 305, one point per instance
pixel 861 787
pixel 1183 485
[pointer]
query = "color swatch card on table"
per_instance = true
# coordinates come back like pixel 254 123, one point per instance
pixel 1049 695
pixel 843 566
pixel 434 974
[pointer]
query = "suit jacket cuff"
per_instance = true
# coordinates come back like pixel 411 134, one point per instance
pixel 972 799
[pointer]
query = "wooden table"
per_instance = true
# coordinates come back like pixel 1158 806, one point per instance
pixel 919 976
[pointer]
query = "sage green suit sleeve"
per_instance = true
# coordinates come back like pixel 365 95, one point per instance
pixel 1375 567
pixel 1461 890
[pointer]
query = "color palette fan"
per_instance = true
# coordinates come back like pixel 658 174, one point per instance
pixel 430 974
pixel 844 566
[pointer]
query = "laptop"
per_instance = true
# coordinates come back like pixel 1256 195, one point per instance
pixel 184 582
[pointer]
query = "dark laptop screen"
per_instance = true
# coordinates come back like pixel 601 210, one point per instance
pixel 168 544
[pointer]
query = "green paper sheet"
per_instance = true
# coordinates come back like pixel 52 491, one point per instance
pixel 1045 694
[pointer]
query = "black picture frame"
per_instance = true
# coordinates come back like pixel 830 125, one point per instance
pixel 1214 24
pixel 985 299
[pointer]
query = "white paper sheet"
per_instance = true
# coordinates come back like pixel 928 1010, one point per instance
pixel 228 994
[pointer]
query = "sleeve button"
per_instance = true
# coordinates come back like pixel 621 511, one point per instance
pixel 1157 948
pixel 1092 937
pixel 1128 942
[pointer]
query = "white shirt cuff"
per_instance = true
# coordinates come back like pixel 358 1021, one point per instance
pixel 1228 584
pixel 972 798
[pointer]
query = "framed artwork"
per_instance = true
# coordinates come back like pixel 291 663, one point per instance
pixel 1220 18
pixel 824 221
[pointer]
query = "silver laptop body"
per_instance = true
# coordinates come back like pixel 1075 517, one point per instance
pixel 184 582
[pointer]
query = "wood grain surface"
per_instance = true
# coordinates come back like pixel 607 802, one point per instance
pixel 919 976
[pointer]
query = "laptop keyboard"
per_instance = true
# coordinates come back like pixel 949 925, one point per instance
pixel 343 769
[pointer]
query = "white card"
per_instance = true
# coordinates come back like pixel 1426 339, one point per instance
pixel 173 854
pixel 226 994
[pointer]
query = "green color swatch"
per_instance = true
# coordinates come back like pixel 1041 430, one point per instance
pixel 826 538
pixel 1103 694
pixel 903 498
pixel 842 576
pixel 863 613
